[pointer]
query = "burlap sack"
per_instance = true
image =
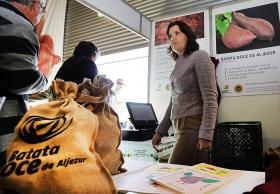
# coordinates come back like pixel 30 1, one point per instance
pixel 50 153
pixel 109 132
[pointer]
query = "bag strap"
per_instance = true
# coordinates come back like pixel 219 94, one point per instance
pixel 97 92
pixel 61 89
pixel 90 94
pixel 86 92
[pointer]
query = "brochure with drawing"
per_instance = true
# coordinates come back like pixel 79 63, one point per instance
pixel 142 183
pixel 170 178
pixel 198 179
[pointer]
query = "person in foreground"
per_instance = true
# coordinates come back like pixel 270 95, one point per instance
pixel 193 106
pixel 19 74
pixel 81 65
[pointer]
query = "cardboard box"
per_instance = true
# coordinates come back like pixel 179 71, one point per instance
pixel 143 150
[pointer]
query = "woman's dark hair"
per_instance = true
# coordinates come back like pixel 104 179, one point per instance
pixel 191 43
pixel 85 49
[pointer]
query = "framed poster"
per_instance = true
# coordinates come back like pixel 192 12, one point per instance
pixel 161 62
pixel 246 40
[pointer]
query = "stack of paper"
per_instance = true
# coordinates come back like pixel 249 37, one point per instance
pixel 198 179
pixel 169 179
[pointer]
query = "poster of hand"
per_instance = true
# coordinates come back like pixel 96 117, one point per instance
pixel 47 58
pixel 248 29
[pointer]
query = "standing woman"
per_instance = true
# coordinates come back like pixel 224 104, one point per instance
pixel 193 106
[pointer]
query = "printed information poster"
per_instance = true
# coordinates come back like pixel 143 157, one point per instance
pixel 246 40
pixel 162 64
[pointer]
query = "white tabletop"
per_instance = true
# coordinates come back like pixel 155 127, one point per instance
pixel 246 182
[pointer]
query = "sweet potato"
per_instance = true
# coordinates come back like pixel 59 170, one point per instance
pixel 236 37
pixel 260 27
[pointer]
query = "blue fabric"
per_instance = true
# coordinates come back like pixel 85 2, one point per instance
pixel 75 69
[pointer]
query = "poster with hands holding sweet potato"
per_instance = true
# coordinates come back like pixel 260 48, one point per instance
pixel 47 58
pixel 248 29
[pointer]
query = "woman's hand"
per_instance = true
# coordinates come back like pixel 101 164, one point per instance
pixel 204 144
pixel 156 140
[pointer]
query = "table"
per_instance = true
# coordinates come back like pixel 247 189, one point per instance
pixel 246 182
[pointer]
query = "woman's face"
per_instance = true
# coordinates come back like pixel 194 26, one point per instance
pixel 177 40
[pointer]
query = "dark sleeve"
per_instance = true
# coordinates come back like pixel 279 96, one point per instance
pixel 23 81
pixel 88 71
pixel 166 121
pixel 94 71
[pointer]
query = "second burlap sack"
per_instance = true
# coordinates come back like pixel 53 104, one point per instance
pixel 93 96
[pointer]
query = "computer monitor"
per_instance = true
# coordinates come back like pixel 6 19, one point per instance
pixel 142 115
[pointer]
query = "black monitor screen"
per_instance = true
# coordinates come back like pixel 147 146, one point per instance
pixel 142 115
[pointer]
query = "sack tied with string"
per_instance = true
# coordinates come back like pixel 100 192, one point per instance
pixel 50 153
pixel 93 96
